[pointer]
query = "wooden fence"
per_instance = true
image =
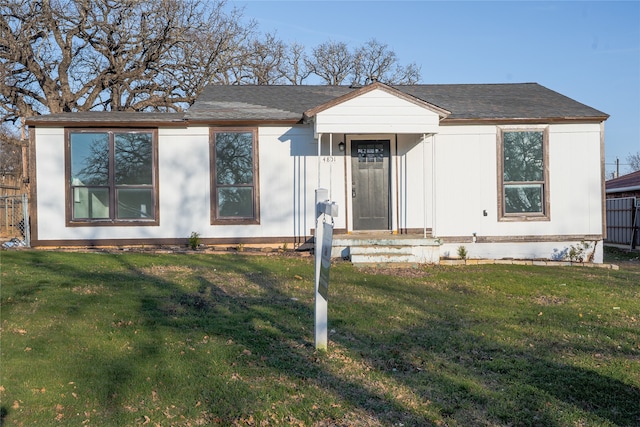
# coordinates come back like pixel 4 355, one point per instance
pixel 623 220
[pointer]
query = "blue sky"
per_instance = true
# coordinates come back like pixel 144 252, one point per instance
pixel 589 51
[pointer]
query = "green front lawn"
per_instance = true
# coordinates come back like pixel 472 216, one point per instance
pixel 126 339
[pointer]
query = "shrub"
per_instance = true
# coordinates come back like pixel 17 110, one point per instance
pixel 462 252
pixel 194 240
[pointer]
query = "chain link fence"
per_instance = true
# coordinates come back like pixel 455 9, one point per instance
pixel 14 221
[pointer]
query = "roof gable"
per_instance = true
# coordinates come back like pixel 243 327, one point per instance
pixel 376 108
pixel 372 87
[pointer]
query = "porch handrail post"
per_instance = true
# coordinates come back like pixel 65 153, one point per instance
pixel 331 166
pixel 424 183
pixel 319 154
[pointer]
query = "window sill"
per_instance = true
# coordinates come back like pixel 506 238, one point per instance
pixel 523 218
pixel 112 223
pixel 242 221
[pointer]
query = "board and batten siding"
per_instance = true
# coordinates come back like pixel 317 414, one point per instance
pixel 49 175
pixel 466 185
pixel 287 178
pixel 413 169
pixel 376 111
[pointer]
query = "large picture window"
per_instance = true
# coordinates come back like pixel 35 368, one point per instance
pixel 523 174
pixel 234 176
pixel 111 177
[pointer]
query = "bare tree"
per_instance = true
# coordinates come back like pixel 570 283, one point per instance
pixel 156 55
pixel 372 61
pixel 10 154
pixel 294 67
pixel 634 161
pixel 262 64
pixel 335 64
pixel 332 62
pixel 409 75
pixel 79 55
pixel 375 61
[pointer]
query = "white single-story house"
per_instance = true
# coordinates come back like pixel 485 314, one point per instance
pixel 505 170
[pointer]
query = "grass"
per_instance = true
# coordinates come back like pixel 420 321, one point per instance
pixel 126 339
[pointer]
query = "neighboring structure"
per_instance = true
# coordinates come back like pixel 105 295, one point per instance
pixel 624 186
pixel 623 210
pixel 507 170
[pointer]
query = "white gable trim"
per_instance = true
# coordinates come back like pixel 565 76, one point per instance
pixel 376 109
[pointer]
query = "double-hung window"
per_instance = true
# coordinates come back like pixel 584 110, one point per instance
pixel 234 176
pixel 111 177
pixel 523 177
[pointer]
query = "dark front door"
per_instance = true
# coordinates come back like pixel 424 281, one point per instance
pixel 370 184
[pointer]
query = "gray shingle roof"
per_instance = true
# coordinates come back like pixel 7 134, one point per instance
pixel 244 103
pixel 261 102
pixel 502 101
pixel 465 101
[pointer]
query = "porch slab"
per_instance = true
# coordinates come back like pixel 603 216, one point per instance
pixel 386 248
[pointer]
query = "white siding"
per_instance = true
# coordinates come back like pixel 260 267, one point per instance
pixel 465 180
pixel 376 112
pixel 51 183
pixel 287 171
pixel 466 183
pixel 184 182
pixel 413 163
pixel 458 167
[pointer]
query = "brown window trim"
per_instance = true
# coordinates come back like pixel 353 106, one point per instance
pixel 215 220
pixel 110 222
pixel 520 216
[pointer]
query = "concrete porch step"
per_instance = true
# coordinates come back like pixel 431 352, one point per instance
pixel 381 250
pixel 387 250
pixel 382 258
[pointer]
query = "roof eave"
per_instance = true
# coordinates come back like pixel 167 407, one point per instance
pixel 623 189
pixel 34 122
pixel 521 120
pixel 253 122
